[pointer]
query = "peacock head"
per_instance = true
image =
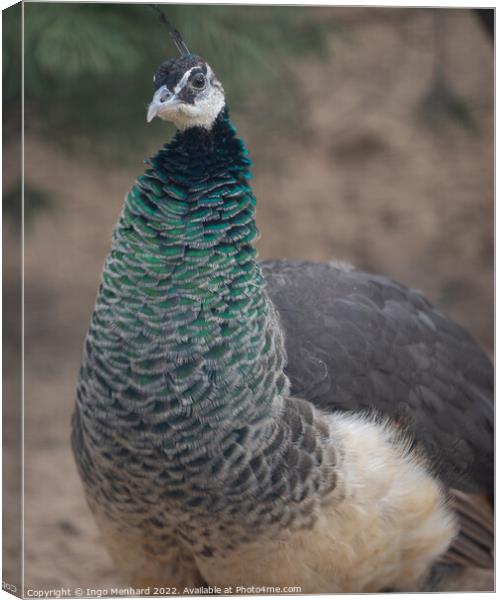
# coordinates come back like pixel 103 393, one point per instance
pixel 187 93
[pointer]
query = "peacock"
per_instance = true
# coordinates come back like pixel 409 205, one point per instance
pixel 269 425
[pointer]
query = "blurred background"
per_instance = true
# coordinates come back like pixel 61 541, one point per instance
pixel 371 132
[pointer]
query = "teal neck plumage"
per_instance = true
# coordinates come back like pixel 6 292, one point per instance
pixel 184 332
pixel 192 217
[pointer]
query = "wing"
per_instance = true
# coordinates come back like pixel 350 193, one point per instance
pixel 358 342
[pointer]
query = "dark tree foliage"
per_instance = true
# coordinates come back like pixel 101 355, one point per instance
pixel 88 67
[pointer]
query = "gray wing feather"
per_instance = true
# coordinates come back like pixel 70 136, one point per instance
pixel 360 342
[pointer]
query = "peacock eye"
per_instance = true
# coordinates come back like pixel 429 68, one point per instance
pixel 198 81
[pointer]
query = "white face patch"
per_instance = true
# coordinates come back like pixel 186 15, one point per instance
pixel 202 113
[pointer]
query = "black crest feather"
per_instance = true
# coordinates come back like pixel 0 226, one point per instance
pixel 173 32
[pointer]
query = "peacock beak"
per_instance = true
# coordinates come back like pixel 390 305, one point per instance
pixel 164 101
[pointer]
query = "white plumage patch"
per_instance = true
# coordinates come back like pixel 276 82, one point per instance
pixel 201 114
pixel 383 526
pixel 385 523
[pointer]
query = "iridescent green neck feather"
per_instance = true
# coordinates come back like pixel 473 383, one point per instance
pixel 183 411
pixel 184 340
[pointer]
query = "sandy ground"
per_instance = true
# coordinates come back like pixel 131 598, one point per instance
pixel 362 180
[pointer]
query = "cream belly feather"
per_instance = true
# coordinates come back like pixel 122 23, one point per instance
pixel 383 526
